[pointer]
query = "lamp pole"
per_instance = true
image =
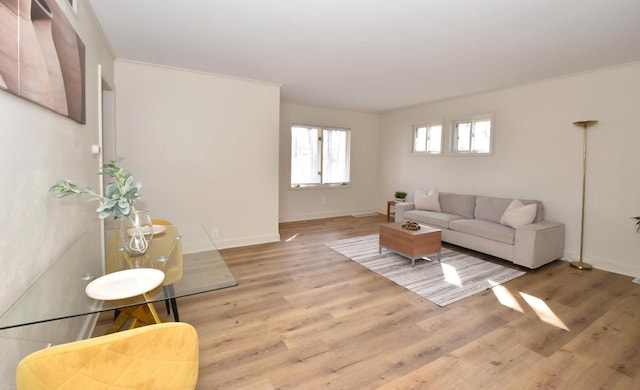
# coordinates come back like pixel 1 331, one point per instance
pixel 584 124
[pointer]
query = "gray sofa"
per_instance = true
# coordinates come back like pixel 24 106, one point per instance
pixel 473 222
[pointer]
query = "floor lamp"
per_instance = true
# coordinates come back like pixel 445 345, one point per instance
pixel 584 124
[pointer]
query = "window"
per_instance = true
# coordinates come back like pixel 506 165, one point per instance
pixel 427 139
pixel 471 136
pixel 319 156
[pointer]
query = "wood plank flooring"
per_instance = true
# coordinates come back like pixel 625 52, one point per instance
pixel 305 317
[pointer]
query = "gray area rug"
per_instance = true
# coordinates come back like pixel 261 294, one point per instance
pixel 455 277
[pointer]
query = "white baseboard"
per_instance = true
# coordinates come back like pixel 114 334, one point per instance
pixel 245 241
pixel 605 264
pixel 324 214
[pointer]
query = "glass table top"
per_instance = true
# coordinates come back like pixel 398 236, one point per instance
pixel 184 252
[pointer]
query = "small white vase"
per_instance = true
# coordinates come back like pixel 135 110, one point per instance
pixel 136 232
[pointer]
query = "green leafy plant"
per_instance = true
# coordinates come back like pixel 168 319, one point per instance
pixel 400 195
pixel 637 224
pixel 120 195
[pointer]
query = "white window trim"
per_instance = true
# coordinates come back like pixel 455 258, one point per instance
pixel 450 126
pixel 320 185
pixel 428 124
pixel 73 5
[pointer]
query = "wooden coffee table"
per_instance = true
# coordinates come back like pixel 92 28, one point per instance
pixel 413 244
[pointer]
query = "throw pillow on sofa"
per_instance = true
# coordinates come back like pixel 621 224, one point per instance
pixel 517 214
pixel 428 202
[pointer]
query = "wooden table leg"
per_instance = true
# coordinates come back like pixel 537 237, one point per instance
pixel 144 314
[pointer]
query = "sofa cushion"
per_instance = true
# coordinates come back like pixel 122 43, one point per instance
pixel 517 214
pixel 427 202
pixel 485 229
pixel 492 209
pixel 539 209
pixel 432 218
pixel 463 205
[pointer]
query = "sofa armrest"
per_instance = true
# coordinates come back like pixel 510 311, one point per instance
pixel 403 207
pixel 538 243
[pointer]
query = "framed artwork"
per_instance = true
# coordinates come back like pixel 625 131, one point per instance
pixel 42 58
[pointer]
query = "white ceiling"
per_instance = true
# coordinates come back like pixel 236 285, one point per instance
pixel 376 55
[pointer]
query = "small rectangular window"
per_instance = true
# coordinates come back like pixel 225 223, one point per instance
pixel 319 156
pixel 481 140
pixel 335 156
pixel 305 156
pixel 427 139
pixel 472 136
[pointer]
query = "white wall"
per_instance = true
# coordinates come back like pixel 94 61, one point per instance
pixel 204 147
pixel 39 146
pixel 358 198
pixel 538 155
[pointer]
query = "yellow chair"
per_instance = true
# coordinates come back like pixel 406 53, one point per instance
pixel 162 356
pixel 172 274
pixel 172 268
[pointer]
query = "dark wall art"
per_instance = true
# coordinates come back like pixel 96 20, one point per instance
pixel 42 59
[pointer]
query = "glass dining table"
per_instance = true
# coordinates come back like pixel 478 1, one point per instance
pixel 183 252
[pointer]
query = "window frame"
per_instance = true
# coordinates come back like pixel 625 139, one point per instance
pixel 320 159
pixel 473 119
pixel 428 126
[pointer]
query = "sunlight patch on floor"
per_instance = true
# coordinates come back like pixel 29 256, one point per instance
pixel 543 311
pixel 450 274
pixel 292 237
pixel 505 297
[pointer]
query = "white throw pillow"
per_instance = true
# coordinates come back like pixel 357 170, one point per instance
pixel 517 214
pixel 428 202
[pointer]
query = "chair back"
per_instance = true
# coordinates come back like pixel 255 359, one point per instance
pixel 162 356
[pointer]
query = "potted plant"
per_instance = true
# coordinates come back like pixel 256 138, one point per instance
pixel 120 196
pixel 119 200
pixel 637 223
pixel 400 196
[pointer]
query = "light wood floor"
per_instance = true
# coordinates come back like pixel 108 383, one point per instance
pixel 305 317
